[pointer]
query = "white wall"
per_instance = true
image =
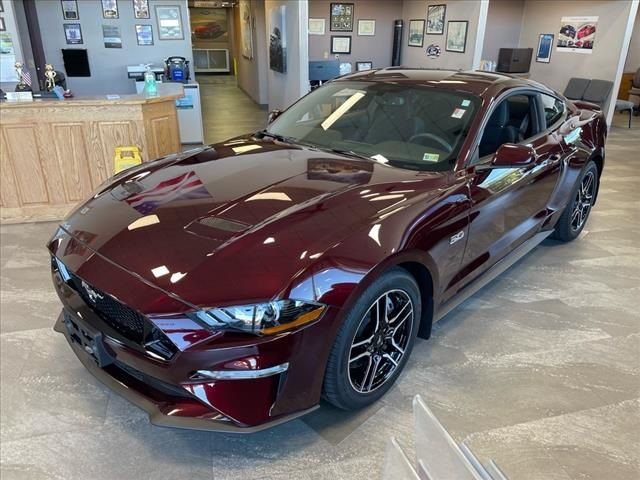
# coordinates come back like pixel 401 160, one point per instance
pixel 285 88
pixel 109 65
pixel 633 58
pixel 469 10
pixel 504 22
pixel 252 73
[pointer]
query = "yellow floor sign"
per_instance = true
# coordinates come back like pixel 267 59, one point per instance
pixel 126 157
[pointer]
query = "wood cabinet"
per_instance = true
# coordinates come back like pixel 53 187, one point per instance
pixel 625 85
pixel 54 153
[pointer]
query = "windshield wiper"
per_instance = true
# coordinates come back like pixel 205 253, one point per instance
pixel 350 153
pixel 275 136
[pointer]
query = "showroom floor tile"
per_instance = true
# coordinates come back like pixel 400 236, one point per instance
pixel 539 371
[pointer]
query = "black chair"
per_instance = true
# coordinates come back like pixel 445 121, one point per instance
pixel 575 88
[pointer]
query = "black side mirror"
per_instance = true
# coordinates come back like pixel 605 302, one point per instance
pixel 513 155
pixel 273 114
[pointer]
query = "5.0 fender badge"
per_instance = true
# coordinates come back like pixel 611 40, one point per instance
pixel 456 237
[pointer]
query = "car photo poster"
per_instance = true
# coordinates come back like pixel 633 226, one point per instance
pixel 577 34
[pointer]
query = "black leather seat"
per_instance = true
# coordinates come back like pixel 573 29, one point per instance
pixel 498 131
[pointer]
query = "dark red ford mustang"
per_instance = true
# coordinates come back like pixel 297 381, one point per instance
pixel 231 287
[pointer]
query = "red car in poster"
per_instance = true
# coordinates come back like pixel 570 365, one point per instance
pixel 233 286
pixel 585 31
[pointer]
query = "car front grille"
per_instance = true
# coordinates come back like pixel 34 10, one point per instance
pixel 132 326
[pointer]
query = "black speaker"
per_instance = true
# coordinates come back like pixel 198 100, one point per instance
pixel 396 58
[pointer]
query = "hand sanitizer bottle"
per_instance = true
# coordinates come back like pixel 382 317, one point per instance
pixel 150 87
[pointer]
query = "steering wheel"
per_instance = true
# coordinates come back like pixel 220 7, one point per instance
pixel 441 143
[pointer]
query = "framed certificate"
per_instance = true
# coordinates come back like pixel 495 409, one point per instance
pixel 340 44
pixel 169 22
pixel 69 10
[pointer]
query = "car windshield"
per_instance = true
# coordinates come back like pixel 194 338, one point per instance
pixel 415 127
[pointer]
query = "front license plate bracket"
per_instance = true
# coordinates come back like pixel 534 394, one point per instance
pixel 92 343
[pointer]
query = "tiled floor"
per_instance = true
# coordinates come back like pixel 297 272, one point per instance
pixel 539 371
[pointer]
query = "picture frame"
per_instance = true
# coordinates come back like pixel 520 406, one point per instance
pixel 69 10
pixel 366 28
pixel 141 10
pixel 3 27
pixel 246 33
pixel 110 9
pixel 364 66
pixel 316 26
pixel 1 7
pixel 277 27
pixel 144 35
pixel 435 19
pixel 169 18
pixel 545 46
pixel 456 36
pixel 341 44
pixel 341 17
pixel 73 33
pixel 111 36
pixel 416 33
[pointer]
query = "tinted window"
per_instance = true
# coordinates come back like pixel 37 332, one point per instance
pixel 511 122
pixel 413 127
pixel 553 109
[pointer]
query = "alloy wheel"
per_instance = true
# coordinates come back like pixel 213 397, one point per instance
pixel 380 341
pixel 583 201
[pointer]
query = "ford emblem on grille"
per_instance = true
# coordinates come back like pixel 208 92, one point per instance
pixel 91 293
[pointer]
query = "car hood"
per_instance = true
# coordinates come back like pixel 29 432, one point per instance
pixel 236 222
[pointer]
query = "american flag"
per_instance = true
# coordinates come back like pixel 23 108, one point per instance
pixel 25 76
pixel 181 187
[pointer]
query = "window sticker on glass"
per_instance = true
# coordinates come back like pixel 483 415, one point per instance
pixel 431 157
pixel 466 103
pixel 458 113
pixel 347 92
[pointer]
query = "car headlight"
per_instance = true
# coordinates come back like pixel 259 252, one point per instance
pixel 261 318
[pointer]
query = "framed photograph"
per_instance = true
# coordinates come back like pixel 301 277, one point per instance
pixel 3 27
pixel 435 19
pixel 416 33
pixel 362 66
pixel 577 34
pixel 345 68
pixel 144 34
pixel 246 34
pixel 169 22
pixel 141 10
pixel 457 36
pixel 111 36
pixel 72 33
pixel 69 10
pixel 545 45
pixel 341 17
pixel 366 28
pixel 110 9
pixel 1 7
pixel 278 39
pixel 316 26
pixel 341 44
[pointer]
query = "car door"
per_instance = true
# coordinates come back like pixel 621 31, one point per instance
pixel 509 204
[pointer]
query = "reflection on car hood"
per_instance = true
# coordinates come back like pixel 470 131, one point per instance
pixel 246 207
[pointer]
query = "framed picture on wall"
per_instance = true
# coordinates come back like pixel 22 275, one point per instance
pixel 341 17
pixel 144 34
pixel 435 19
pixel 169 22
pixel 141 9
pixel 340 44
pixel 110 9
pixel 72 33
pixel 316 26
pixel 366 28
pixel 545 45
pixel 70 10
pixel 362 66
pixel 416 33
pixel 457 36
pixel 1 7
pixel 3 27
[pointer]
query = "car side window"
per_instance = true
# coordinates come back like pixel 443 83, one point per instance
pixel 553 109
pixel 513 121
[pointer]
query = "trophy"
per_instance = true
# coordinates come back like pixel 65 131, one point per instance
pixel 49 75
pixel 24 78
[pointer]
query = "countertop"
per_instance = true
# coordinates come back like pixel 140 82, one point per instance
pixel 166 91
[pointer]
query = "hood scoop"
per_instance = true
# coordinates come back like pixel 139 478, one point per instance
pixel 216 228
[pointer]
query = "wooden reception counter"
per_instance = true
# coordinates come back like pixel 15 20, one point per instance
pixel 54 153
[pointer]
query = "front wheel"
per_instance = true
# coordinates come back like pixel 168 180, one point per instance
pixel 374 342
pixel 575 215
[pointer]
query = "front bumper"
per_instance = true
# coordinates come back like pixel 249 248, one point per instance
pixel 164 403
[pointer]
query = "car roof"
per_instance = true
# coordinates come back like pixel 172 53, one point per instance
pixel 474 82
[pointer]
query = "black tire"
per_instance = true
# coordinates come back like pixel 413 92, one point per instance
pixel 569 226
pixel 398 291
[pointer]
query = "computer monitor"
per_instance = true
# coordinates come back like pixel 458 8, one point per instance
pixel 323 70
pixel 514 60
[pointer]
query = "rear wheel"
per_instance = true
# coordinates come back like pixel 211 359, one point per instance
pixel 374 342
pixel 576 213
